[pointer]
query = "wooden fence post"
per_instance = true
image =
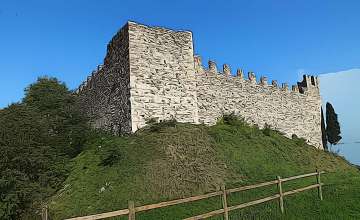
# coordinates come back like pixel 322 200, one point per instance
pixel 319 182
pixel 224 202
pixel 44 213
pixel 131 210
pixel 281 199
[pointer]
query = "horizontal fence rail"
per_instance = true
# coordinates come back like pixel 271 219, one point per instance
pixel 132 210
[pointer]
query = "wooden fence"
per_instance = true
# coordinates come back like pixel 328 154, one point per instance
pixel 132 210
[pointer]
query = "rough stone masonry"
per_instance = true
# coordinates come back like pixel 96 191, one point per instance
pixel 152 73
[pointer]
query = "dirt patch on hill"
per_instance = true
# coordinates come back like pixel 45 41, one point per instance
pixel 190 164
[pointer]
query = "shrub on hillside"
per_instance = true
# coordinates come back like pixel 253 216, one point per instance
pixel 266 130
pixel 109 155
pixel 298 141
pixel 231 119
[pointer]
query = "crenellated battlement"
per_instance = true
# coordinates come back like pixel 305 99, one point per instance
pixel 152 72
pixel 260 102
pixel 308 84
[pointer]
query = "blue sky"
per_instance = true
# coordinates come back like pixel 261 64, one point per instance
pixel 342 90
pixel 278 38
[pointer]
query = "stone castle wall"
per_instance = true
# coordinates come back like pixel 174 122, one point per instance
pixel 151 72
pixel 291 112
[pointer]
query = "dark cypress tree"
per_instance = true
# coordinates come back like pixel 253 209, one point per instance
pixel 332 125
pixel 323 131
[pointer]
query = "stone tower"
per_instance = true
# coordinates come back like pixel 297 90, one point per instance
pixel 147 73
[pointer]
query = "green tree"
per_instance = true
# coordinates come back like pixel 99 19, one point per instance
pixel 323 131
pixel 60 114
pixel 332 125
pixel 38 137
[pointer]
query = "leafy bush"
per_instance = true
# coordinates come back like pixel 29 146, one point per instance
pixel 230 119
pixel 298 141
pixel 37 139
pixel 266 130
pixel 109 155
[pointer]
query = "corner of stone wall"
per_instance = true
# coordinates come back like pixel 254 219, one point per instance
pixel 105 94
pixel 162 75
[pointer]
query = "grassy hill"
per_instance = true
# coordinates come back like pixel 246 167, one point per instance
pixel 172 160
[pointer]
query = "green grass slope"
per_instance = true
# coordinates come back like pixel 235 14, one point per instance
pixel 171 160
